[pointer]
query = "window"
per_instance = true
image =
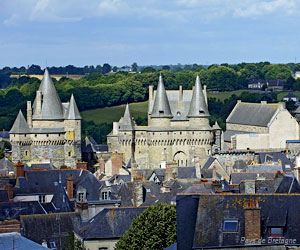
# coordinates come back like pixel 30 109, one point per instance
pixel 105 195
pixel 35 135
pixel 161 112
pixel 103 248
pixel 47 135
pixel 52 245
pixel 42 198
pixel 80 196
pixel 69 154
pixel 230 226
pixel 276 232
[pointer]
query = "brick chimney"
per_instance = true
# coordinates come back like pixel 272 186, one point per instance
pixel 116 163
pixel 102 165
pixel 252 221
pixel 19 169
pixel 70 187
pixel 10 191
pixel 10 226
pixel 81 165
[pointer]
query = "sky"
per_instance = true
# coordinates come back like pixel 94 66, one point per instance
pixel 149 32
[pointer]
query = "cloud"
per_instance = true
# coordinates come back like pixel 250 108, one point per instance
pixel 287 7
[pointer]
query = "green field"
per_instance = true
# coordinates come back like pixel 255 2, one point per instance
pixel 113 114
pixel 225 95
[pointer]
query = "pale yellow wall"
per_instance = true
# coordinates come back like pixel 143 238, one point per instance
pixel 47 124
pixel 283 127
pixel 253 141
pixel 96 244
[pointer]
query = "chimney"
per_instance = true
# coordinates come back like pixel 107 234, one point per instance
pixel 180 96
pixel 81 165
pixel 19 169
pixel 102 165
pixel 205 94
pixel 10 191
pixel 70 187
pixel 38 102
pixel 252 221
pixel 10 226
pixel 214 173
pixel 151 96
pixel 249 186
pixel 29 114
pixel 115 128
pixel 138 196
pixel 82 208
pixel 116 163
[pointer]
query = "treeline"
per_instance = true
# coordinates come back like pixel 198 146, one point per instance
pixel 97 90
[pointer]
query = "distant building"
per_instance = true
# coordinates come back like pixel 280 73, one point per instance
pixel 274 85
pixel 178 130
pixel 52 130
pixel 296 75
pixel 260 126
pixel 290 97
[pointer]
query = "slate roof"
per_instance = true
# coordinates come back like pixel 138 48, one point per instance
pixel 275 157
pixel 39 166
pixel 208 163
pixel 254 114
pixel 46 181
pixel 4 134
pixel 264 168
pixel 6 165
pixel 13 210
pixel 50 227
pixel 186 172
pixel 52 108
pixel 290 95
pixel 20 125
pixel 4 195
pixel 161 106
pixel 110 223
pixel 126 122
pixel 289 184
pixel 236 178
pixel 198 107
pixel 240 165
pixel 16 241
pixel 200 218
pixel 276 83
pixel 73 112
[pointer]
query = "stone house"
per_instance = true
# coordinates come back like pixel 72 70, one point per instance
pixel 260 126
pixel 178 130
pixel 52 130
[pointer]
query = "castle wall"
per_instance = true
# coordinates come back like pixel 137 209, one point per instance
pixel 47 124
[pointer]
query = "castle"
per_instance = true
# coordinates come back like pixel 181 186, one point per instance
pixel 178 130
pixel 52 130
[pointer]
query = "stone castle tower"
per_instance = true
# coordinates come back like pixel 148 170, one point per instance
pixel 178 130
pixel 52 130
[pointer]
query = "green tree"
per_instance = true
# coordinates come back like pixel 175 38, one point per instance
pixel 290 83
pixel 276 71
pixel 71 243
pixel 148 70
pixel 1 153
pixel 134 67
pixel 106 68
pixel 155 228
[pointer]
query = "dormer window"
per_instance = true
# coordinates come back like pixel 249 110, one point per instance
pixel 276 231
pixel 230 225
pixel 178 113
pixel 80 196
pixel 105 195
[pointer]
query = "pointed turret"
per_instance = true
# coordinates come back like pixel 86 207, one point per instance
pixel 51 105
pixel 127 122
pixel 73 112
pixel 20 125
pixel 198 107
pixel 161 107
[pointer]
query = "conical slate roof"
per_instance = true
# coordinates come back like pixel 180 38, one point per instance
pixel 126 122
pixel 51 105
pixel 20 125
pixel 198 107
pixel 161 107
pixel 73 112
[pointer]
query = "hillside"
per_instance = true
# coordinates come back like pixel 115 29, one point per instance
pixel 113 114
